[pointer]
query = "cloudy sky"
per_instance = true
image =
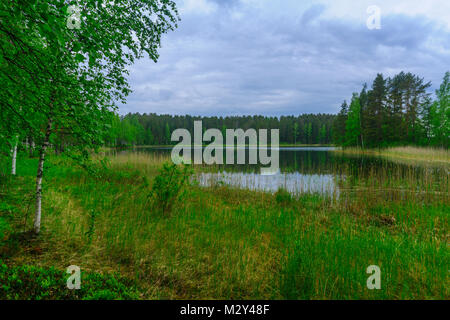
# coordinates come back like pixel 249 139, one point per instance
pixel 283 57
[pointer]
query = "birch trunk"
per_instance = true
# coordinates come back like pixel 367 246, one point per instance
pixel 31 147
pixel 14 157
pixel 40 173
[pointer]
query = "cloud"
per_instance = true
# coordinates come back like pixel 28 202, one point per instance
pixel 197 7
pixel 258 57
pixel 226 3
pixel 312 13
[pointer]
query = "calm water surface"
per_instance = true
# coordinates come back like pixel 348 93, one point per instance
pixel 307 169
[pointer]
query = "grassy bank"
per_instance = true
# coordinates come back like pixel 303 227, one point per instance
pixel 228 243
pixel 407 154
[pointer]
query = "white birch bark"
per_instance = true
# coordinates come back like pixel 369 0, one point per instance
pixel 40 173
pixel 14 157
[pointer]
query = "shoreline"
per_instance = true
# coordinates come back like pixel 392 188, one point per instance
pixel 421 154
pixel 225 146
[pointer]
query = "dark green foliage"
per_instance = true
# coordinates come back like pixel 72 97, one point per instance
pixel 439 116
pixel 353 123
pixel 169 186
pixel 396 111
pixel 6 211
pixel 374 114
pixel 294 282
pixel 339 125
pixel 153 129
pixel 37 283
pixel 283 197
pixel 4 228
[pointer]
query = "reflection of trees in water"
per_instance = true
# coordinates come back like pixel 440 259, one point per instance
pixel 353 169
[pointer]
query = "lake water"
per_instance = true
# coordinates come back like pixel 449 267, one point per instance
pixel 312 169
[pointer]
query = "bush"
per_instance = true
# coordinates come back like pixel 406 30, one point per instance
pixel 169 186
pixel 5 216
pixel 283 197
pixel 36 283
pixel 4 229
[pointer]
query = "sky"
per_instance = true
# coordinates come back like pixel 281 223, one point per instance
pixel 286 57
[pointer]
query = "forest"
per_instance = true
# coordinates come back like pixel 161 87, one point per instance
pixel 395 111
pixel 153 129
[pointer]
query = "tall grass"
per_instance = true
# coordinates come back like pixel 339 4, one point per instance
pixel 433 154
pixel 407 153
pixel 232 243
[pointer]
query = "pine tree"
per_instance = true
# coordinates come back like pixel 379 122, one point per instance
pixel 375 112
pixel 339 125
pixel 353 124
pixel 415 95
pixel 395 129
pixel 363 103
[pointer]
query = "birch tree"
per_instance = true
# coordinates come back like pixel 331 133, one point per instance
pixel 440 114
pixel 85 53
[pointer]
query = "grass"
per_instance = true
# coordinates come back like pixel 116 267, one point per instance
pixel 406 154
pixel 226 243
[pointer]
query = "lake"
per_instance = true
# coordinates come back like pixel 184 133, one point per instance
pixel 318 170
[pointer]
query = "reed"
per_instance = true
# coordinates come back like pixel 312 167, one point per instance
pixel 407 154
pixel 227 242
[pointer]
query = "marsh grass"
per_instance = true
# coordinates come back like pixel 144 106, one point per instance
pixel 231 243
pixel 407 154
pixel 414 153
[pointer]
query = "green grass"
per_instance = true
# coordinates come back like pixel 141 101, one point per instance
pixel 225 243
pixel 407 154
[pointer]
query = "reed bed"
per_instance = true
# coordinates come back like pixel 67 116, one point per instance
pixel 227 242
pixel 406 154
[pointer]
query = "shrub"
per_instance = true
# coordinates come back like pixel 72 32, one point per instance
pixel 283 197
pixel 4 228
pixel 36 283
pixel 169 186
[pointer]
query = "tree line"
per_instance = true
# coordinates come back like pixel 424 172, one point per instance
pixel 395 111
pixel 153 129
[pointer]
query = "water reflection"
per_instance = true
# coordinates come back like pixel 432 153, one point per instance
pixel 294 182
pixel 321 170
